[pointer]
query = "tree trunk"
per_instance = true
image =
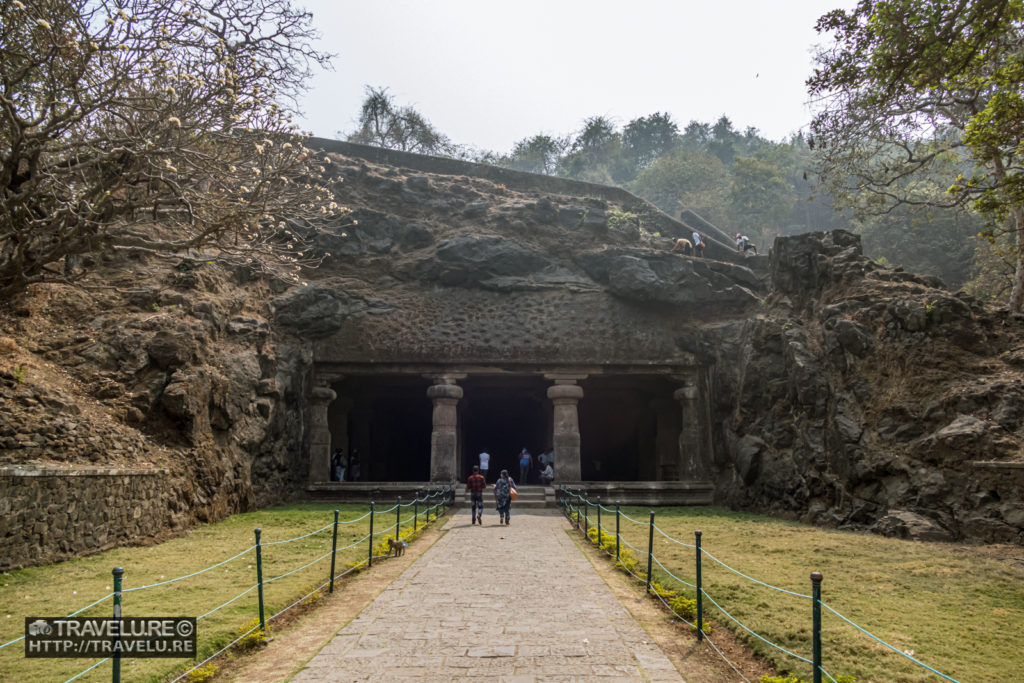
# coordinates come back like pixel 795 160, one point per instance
pixel 1017 292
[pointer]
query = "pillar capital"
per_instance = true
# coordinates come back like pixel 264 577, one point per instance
pixel 443 391
pixel 321 393
pixel 564 377
pixel 565 392
pixel 686 393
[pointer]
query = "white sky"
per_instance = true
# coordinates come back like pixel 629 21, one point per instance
pixel 488 74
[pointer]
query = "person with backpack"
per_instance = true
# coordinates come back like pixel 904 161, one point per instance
pixel 698 244
pixel 503 497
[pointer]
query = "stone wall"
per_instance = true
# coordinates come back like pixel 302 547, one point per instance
pixel 47 515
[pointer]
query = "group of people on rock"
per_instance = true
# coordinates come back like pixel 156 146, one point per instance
pixel 696 247
pixel 476 484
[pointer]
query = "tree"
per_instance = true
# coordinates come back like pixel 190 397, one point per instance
pixel 914 86
pixel 761 197
pixel 161 125
pixel 384 124
pixel 686 178
pixel 596 154
pixel 536 154
pixel 648 137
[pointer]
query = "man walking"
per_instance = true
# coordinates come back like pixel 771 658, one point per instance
pixel 476 485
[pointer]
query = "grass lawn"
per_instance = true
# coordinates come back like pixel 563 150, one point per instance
pixel 959 609
pixel 60 589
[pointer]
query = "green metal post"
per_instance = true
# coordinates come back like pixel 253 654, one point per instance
pixel 816 624
pixel 118 573
pixel 617 531
pixel 259 578
pixel 586 518
pixel 334 550
pixel 650 551
pixel 369 556
pixel 416 511
pixel 599 521
pixel 398 518
pixel 700 596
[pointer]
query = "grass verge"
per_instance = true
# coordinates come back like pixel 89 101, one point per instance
pixel 958 609
pixel 60 589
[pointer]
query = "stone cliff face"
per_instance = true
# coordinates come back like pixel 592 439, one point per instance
pixel 845 395
pixel 869 397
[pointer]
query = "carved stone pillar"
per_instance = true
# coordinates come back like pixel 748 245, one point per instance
pixel 566 395
pixel 337 417
pixel 444 437
pixel 319 434
pixel 691 456
pixel 666 440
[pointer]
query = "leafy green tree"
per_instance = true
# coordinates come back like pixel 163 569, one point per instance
pixel 648 137
pixel 536 154
pixel 157 125
pixel 595 155
pixel 687 178
pixel 912 86
pixel 384 124
pixel 761 197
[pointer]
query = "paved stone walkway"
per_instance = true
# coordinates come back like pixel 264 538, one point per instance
pixel 515 603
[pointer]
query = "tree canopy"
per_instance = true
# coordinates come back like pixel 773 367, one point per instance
pixel 171 113
pixel 913 87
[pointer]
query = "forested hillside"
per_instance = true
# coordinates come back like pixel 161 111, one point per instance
pixel 738 180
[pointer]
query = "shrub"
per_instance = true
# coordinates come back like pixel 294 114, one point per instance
pixel 257 638
pixel 202 674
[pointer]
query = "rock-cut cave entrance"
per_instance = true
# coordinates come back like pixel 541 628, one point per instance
pixel 624 434
pixel 503 415
pixel 387 419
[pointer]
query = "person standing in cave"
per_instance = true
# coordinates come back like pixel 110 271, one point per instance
pixel 338 465
pixel 485 462
pixel 353 465
pixel 525 461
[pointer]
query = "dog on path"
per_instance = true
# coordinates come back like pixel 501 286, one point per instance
pixel 397 546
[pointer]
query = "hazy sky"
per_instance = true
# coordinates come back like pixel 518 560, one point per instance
pixel 488 74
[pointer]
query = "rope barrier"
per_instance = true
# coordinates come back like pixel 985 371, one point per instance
pixel 188 576
pixel 754 633
pixel 82 673
pixel 353 521
pixel 674 540
pixel 426 513
pixel 298 569
pixel 89 606
pixel 749 578
pixel 630 519
pixel 891 647
pixel 299 538
pixel 674 577
pixel 245 592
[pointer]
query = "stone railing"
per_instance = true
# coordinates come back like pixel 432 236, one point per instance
pixel 50 514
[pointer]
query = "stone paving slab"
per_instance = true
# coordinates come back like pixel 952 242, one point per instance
pixel 505 603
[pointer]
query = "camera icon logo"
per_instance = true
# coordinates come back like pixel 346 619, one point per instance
pixel 40 627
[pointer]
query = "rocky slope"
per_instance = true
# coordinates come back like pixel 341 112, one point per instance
pixel 869 397
pixel 847 395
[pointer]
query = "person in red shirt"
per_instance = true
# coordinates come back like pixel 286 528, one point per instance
pixel 476 485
